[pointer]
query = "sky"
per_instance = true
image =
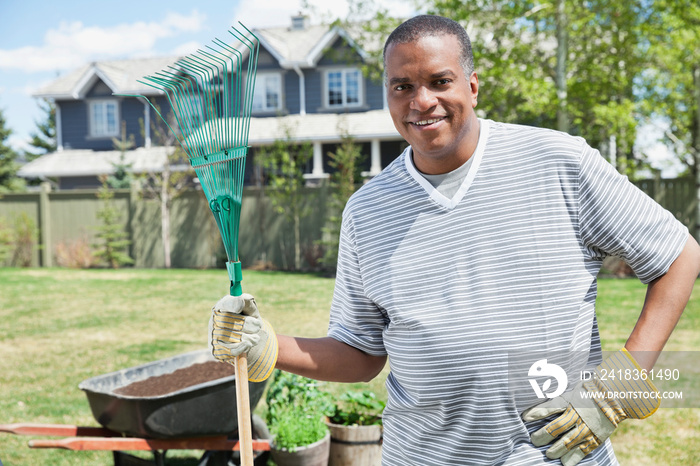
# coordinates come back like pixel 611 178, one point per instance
pixel 43 39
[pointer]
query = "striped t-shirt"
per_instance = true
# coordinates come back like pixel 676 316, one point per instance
pixel 447 288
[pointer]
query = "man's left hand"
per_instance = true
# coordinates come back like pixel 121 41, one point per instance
pixel 593 409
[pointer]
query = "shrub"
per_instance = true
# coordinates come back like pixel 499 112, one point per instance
pixel 76 254
pixel 25 236
pixel 6 241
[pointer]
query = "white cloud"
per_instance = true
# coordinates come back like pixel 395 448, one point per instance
pixel 74 43
pixel 186 48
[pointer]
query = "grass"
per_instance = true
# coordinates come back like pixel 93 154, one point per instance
pixel 59 327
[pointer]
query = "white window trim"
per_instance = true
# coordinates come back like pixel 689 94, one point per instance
pixel 361 89
pixel 260 86
pixel 91 116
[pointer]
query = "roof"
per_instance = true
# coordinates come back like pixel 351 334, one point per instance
pixel 291 47
pixel 325 128
pixel 90 163
pixel 120 75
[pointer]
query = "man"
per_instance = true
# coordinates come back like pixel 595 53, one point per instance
pixel 480 241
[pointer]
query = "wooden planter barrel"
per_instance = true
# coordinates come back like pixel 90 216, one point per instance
pixel 355 445
pixel 315 454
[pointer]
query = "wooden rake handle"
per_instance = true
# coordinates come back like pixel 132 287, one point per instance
pixel 245 433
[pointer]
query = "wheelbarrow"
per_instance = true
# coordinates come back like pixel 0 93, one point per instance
pixel 201 416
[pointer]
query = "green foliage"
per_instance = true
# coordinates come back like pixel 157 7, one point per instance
pixel 112 240
pixel 295 410
pixel 18 238
pixel 6 241
pixel 357 408
pixel 284 162
pixel 344 181
pixel 9 181
pixel 24 238
pixel 122 177
pixel 671 86
pixel 44 138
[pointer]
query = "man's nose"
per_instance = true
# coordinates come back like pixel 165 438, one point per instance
pixel 423 99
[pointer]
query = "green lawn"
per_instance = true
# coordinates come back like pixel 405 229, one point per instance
pixel 59 327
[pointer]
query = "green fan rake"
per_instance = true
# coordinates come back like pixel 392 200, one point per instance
pixel 211 95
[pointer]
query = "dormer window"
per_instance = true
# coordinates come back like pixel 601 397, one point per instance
pixel 268 92
pixel 104 118
pixel 343 88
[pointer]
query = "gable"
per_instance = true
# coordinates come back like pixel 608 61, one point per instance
pixel 99 89
pixel 340 52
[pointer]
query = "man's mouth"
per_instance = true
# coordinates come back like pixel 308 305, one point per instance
pixel 427 122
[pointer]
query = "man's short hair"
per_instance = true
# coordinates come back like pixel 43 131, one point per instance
pixel 429 25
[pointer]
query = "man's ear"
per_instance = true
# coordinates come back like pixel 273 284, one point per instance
pixel 474 85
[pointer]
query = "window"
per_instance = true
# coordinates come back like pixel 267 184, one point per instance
pixel 268 93
pixel 104 118
pixel 344 88
pixel 191 112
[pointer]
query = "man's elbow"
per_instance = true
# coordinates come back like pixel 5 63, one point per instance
pixel 373 367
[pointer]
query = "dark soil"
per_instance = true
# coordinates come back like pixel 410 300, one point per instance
pixel 181 378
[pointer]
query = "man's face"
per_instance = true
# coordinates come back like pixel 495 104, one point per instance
pixel 432 102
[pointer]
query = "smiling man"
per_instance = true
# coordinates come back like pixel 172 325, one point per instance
pixel 431 98
pixel 480 241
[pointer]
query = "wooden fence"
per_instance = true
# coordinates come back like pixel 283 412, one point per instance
pixel 69 216
pixel 265 237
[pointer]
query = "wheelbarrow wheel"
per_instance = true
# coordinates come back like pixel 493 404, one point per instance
pixel 233 458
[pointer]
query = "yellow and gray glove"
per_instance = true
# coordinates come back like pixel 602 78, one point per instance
pixel 618 390
pixel 235 327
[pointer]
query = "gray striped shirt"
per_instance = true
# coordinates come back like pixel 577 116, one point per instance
pixel 447 287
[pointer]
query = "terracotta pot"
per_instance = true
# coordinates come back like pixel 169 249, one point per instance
pixel 315 454
pixel 355 445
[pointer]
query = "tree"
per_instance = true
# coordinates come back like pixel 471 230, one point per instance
pixel 344 180
pixel 569 65
pixel 44 139
pixel 672 85
pixel 9 181
pixel 284 162
pixel 122 176
pixel 170 182
pixel 112 240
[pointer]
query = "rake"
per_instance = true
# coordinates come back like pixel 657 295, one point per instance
pixel 211 96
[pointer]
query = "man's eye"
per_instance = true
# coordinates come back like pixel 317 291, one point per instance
pixel 442 82
pixel 401 87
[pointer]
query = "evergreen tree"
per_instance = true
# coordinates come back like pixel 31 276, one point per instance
pixel 8 161
pixel 44 139
pixel 122 177
pixel 112 240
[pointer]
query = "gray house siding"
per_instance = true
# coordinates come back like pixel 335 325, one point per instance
pixel 291 95
pixel 314 92
pixel 74 124
pixel 374 94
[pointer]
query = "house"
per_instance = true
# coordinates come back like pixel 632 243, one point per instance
pixel 308 81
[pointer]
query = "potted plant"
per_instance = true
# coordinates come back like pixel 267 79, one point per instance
pixel 355 424
pixel 300 436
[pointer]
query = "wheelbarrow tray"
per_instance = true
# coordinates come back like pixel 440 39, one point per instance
pixel 205 409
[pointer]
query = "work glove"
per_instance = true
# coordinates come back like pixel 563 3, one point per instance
pixel 618 390
pixel 235 327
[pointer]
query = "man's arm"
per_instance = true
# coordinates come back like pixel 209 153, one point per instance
pixel 327 359
pixel 665 300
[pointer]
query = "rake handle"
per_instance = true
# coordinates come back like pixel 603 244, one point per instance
pixel 245 433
